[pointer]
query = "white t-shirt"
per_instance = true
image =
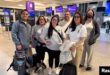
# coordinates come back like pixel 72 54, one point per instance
pixel 89 27
pixel 55 40
pixel 80 31
pixel 64 24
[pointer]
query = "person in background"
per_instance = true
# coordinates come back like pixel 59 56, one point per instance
pixel 77 34
pixel 53 41
pixel 93 32
pixel 66 21
pixel 39 45
pixel 0 22
pixel 21 33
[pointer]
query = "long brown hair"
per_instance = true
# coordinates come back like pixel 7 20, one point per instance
pixel 37 23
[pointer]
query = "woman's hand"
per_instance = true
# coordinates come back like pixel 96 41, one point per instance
pixel 72 48
pixel 19 47
pixel 48 42
pixel 30 46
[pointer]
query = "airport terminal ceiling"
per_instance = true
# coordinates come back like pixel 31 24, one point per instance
pixel 40 4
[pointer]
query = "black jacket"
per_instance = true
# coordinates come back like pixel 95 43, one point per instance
pixel 94 34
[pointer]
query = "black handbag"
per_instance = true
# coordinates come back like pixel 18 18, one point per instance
pixel 38 43
pixel 68 69
pixel 41 44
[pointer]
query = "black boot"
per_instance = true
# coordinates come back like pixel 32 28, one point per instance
pixel 26 73
pixel 43 64
pixel 88 68
pixel 80 66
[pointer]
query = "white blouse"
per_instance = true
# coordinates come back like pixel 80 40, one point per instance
pixel 80 31
pixel 37 30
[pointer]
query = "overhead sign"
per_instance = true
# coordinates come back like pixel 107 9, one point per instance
pixel 30 6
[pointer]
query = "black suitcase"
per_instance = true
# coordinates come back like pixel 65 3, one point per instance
pixel 68 69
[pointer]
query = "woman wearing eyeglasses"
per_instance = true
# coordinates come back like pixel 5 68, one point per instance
pixel 50 36
pixel 77 34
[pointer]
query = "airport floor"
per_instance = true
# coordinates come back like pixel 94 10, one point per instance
pixel 101 55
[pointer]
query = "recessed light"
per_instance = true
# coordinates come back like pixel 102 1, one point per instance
pixel 13 0
pixel 39 4
pixel 20 5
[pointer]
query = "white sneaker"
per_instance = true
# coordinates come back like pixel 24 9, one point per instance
pixel 50 71
pixel 57 71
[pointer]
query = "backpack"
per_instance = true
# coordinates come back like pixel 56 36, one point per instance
pixel 19 61
pixel 68 69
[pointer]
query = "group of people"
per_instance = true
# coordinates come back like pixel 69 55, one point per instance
pixel 48 37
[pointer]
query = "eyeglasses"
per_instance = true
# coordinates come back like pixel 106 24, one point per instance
pixel 76 17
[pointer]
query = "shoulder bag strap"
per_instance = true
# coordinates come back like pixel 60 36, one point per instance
pixel 59 34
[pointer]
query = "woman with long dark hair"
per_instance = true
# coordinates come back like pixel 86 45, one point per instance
pixel 51 38
pixel 77 34
pixel 93 32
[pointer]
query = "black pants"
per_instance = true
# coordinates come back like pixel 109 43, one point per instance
pixel 40 50
pixel 53 55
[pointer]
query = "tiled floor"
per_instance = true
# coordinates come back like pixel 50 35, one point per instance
pixel 101 56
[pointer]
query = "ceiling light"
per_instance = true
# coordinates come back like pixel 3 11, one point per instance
pixel 94 6
pixel 39 4
pixel 13 0
pixel 20 5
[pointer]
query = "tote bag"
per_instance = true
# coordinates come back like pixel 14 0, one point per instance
pixel 66 55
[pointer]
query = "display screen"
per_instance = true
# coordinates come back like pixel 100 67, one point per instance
pixel 6 11
pixel 32 13
pixel 100 9
pixel 49 10
pixel 107 10
pixel 72 8
pixel 59 9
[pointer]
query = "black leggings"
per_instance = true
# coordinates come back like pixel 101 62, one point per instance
pixel 53 55
pixel 40 53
